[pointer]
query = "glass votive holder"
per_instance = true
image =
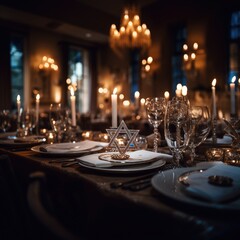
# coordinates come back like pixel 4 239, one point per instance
pixel 215 154
pixel 103 137
pixel 142 142
pixel 232 156
pixel 51 137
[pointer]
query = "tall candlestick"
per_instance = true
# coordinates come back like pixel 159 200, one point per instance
pixel 18 106
pixel 214 108
pixel 232 94
pixel 114 108
pixel 73 107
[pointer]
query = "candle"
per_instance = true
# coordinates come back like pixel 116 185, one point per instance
pixel 214 109
pixel 137 95
pixel 114 108
pixel 18 106
pixel 73 106
pixel 37 107
pixel 179 90
pixel 232 94
pixel 167 95
pixel 184 91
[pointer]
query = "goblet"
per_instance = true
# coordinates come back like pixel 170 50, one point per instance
pixel 155 108
pixel 200 127
pixel 177 128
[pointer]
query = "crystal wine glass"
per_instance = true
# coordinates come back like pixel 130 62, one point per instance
pixel 177 128
pixel 200 127
pixel 155 108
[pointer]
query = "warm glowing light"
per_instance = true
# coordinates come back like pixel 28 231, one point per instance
pixel 184 91
pixel 137 94
pixel 185 57
pixel 234 79
pixel 214 82
pixel 185 47
pixel 121 96
pixel 144 61
pixel 193 56
pixel 72 91
pixel 48 62
pixel 179 86
pixel 167 95
pixel 38 97
pixel 18 98
pixel 149 60
pixel 142 101
pixel 68 81
pixel 126 103
pixel 195 46
pixel 131 33
pixel 115 90
pixel 147 68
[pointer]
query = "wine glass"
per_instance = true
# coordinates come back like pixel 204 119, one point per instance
pixel 200 127
pixel 177 128
pixel 155 108
pixel 5 120
pixel 59 120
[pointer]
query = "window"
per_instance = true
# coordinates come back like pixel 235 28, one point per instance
pixel 78 72
pixel 178 75
pixel 16 66
pixel 234 48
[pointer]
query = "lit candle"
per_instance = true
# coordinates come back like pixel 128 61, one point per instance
pixel 18 106
pixel 232 94
pixel 214 110
pixel 137 95
pixel 73 106
pixel 179 90
pixel 167 95
pixel 37 107
pixel 184 91
pixel 142 101
pixel 114 108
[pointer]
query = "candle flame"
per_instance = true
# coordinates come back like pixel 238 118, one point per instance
pixel 18 97
pixel 137 94
pixel 179 86
pixel 72 91
pixel 234 79
pixel 184 90
pixel 214 82
pixel 38 96
pixel 115 90
pixel 166 94
pixel 142 101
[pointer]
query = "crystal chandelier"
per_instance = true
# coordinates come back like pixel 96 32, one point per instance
pixel 131 33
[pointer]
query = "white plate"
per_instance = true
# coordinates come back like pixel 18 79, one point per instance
pixel 37 149
pixel 127 169
pixel 167 183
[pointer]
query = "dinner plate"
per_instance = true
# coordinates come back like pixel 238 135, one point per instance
pixel 167 184
pixel 128 168
pixel 37 149
pixel 9 140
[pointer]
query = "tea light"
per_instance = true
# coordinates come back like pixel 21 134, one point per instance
pixel 87 135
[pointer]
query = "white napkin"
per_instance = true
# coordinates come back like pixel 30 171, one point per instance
pixel 136 157
pixel 199 186
pixel 74 147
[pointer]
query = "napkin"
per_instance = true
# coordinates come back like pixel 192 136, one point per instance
pixel 136 157
pixel 200 188
pixel 82 146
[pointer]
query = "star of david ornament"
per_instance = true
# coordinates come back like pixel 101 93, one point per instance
pixel 122 139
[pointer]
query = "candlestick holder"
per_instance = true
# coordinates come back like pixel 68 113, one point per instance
pixel 121 140
pixel 214 130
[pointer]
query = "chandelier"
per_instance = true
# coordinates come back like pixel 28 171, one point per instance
pixel 131 33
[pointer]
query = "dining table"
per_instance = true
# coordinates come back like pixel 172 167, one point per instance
pixel 122 204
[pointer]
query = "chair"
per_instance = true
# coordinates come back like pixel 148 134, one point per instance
pixel 41 206
pixel 13 208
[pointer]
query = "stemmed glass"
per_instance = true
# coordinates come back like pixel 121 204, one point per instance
pixel 155 108
pixel 59 121
pixel 200 127
pixel 5 120
pixel 177 128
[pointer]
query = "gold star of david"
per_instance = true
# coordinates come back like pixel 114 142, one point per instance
pixel 115 133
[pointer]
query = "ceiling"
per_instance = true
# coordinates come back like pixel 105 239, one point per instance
pixel 84 19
